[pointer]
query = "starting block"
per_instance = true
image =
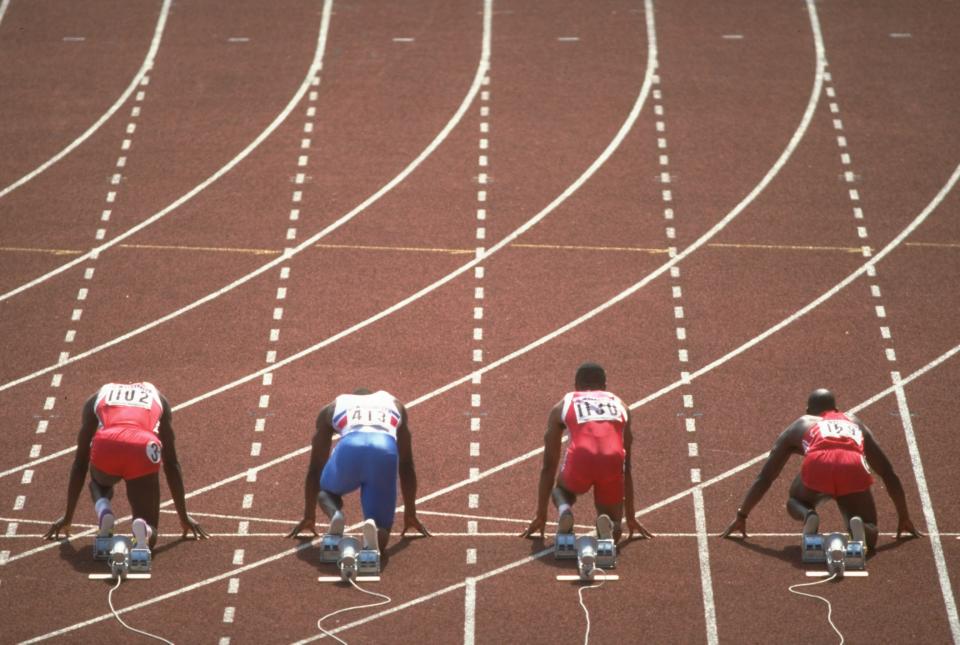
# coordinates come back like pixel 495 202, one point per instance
pixel 591 554
pixel 842 555
pixel 354 562
pixel 126 561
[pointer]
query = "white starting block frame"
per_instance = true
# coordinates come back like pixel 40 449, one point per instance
pixel 842 555
pixel 126 561
pixel 355 563
pixel 590 553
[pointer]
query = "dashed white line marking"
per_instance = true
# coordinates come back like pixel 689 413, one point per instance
pixel 233 585
pixel 255 449
pixel 19 502
pixel 12 529
pixel 259 425
pixel 42 426
pixel 56 380
pixel 264 401
pixel 49 402
pixel 474 448
pixel 27 477
pixel 238 39
pixel 475 400
pixel 228 614
pixel 471 556
pixel 403 39
pixel 890 354
pixel 268 378
pixel 732 36
pixel 691 424
pixel 471 527
pixel 469 611
pixel 473 500
pixel 688 400
pixel 695 475
pixel 568 39
pixel 474 424
pixel 247 500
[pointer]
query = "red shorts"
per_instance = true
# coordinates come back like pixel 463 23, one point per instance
pixel 125 452
pixel 582 469
pixel 836 472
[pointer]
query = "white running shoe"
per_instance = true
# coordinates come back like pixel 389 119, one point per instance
pixel 565 522
pixel 106 524
pixel 857 531
pixel 811 525
pixel 604 527
pixel 141 533
pixel 369 530
pixel 336 523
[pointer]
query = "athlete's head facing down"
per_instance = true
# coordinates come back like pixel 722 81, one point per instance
pixel 590 376
pixel 362 391
pixel 821 400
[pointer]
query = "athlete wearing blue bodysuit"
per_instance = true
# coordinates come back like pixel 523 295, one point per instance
pixel 374 447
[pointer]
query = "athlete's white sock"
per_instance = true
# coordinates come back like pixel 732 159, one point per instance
pixel 337 522
pixel 102 506
pixel 563 508
pixel 142 532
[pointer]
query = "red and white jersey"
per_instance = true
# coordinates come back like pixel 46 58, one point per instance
pixel 835 431
pixel 129 404
pixel 377 412
pixel 595 421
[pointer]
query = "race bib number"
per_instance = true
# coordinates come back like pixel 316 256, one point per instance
pixel 836 429
pixel 587 409
pixel 129 395
pixel 153 452
pixel 371 416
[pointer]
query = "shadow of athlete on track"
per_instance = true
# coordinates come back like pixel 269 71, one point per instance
pixel 81 559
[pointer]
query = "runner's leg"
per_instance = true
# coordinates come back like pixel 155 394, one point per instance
pixel 144 495
pixel 863 505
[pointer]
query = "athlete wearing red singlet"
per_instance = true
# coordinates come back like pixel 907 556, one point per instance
pixel 595 420
pixel 126 443
pixel 126 434
pixel 836 449
pixel 833 461
pixel 598 426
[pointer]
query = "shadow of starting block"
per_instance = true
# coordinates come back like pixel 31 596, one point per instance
pixel 353 561
pixel 842 555
pixel 126 561
pixel 592 554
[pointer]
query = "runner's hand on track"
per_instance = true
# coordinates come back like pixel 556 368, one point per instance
pixel 905 525
pixel 739 524
pixel 538 524
pixel 303 525
pixel 58 527
pixel 189 524
pixel 411 522
pixel 636 527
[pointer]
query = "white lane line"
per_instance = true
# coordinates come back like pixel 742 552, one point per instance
pixel 706 581
pixel 145 67
pixel 434 144
pixel 314 69
pixel 469 611
pixel 306 545
pixel 933 530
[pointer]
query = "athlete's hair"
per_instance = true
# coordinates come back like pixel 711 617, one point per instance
pixel 590 376
pixel 362 390
pixel 821 400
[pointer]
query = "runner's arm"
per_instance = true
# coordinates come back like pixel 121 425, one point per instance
pixel 881 465
pixel 408 475
pixel 171 468
pixel 319 454
pixel 630 511
pixel 788 443
pixel 552 446
pixel 78 471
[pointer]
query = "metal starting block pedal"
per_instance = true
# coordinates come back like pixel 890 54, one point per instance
pixel 842 555
pixel 591 553
pixel 126 561
pixel 354 562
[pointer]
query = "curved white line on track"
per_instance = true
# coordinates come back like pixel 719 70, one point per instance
pixel 468 99
pixel 315 67
pixel 489 574
pixel 73 145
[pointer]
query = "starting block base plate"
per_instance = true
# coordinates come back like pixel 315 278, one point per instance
pixel 357 579
pixel 108 576
pixel 846 574
pixel 603 577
